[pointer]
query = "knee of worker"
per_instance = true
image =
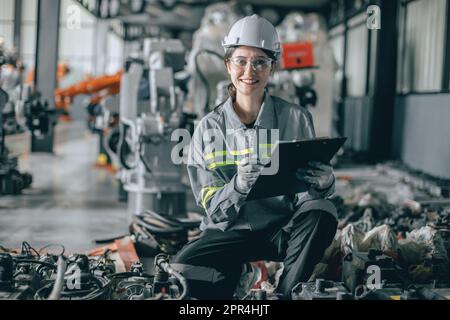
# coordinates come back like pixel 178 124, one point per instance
pixel 195 266
pixel 313 222
pixel 322 205
pixel 186 255
pixel 312 210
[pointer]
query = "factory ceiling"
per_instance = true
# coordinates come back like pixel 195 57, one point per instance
pixel 182 15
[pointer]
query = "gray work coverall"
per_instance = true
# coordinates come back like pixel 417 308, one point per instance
pixel 293 228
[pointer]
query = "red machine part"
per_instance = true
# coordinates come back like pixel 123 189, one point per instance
pixel 297 55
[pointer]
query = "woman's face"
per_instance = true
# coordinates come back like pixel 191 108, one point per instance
pixel 249 69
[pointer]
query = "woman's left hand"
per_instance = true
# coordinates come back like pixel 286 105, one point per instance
pixel 318 175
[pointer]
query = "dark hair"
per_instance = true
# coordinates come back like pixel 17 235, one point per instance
pixel 229 53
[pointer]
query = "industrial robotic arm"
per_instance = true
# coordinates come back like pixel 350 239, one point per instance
pixel 98 87
pixel 148 173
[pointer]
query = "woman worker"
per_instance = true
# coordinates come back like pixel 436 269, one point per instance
pixel 293 228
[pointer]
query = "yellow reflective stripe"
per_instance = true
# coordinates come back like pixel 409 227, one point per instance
pixel 222 164
pixel 208 196
pixel 241 152
pixel 212 155
pixel 207 193
pixel 207 189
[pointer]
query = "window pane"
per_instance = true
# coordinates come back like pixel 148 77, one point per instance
pixel 356 63
pixel 28 36
pixel 6 33
pixel 71 35
pixel 6 9
pixel 423 46
pixel 6 23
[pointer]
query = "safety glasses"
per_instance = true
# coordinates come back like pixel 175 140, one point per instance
pixel 258 64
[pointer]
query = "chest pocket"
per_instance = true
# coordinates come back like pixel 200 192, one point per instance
pixel 224 157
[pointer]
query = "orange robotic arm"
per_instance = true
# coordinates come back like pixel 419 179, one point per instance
pixel 100 87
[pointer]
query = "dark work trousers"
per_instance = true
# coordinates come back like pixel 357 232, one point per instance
pixel 212 264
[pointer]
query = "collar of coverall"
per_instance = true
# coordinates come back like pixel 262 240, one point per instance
pixel 265 119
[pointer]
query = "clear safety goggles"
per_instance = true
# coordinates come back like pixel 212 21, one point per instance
pixel 258 64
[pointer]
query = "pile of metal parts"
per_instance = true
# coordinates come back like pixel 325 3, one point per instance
pixel 387 247
pixel 382 250
pixel 37 274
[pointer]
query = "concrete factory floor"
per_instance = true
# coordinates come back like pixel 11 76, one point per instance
pixel 71 202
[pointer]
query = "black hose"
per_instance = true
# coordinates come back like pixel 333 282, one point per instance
pixel 141 156
pixel 54 245
pixel 123 147
pixel 36 262
pixel 28 248
pixel 157 230
pixel 169 220
pixel 108 240
pixel 125 275
pixel 172 221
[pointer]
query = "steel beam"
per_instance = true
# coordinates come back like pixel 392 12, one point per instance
pixel 46 63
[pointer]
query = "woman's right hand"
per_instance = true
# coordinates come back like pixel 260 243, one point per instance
pixel 247 173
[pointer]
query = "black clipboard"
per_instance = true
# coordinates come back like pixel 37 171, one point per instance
pixel 292 155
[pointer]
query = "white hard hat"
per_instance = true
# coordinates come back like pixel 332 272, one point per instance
pixel 253 31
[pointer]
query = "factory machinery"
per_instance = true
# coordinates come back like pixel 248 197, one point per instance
pixel 102 109
pixel 31 274
pixel 21 109
pixel 148 174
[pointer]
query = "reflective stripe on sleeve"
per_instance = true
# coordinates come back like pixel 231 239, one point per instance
pixel 207 193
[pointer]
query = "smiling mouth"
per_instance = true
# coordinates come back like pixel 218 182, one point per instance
pixel 249 82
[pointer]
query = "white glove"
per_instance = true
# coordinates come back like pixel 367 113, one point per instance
pixel 247 173
pixel 318 175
